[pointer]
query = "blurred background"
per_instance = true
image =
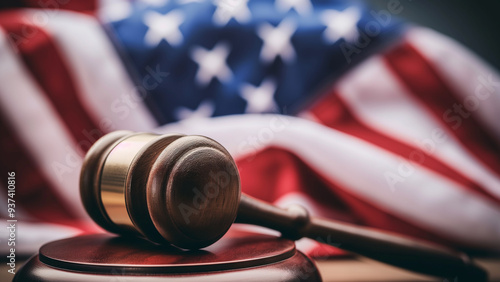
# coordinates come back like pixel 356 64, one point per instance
pixel 469 23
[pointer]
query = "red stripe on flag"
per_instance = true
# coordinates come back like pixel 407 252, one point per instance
pixel 281 172
pixel 33 192
pixel 46 64
pixel 331 111
pixel 87 6
pixel 424 82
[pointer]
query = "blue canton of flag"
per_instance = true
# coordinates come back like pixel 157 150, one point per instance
pixel 239 56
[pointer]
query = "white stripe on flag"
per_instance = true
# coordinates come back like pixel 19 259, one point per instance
pixel 378 100
pixel 424 198
pixel 106 91
pixel 38 126
pixel 468 75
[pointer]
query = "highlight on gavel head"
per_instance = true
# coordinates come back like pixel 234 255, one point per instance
pixel 177 189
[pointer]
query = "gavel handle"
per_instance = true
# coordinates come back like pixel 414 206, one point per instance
pixel 404 252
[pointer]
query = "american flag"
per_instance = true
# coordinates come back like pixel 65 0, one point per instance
pixel 329 104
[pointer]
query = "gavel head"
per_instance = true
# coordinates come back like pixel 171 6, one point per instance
pixel 177 189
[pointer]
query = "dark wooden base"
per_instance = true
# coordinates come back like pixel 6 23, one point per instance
pixel 105 257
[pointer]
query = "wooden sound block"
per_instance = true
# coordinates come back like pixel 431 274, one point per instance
pixel 106 257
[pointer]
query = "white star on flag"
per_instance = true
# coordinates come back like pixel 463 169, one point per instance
pixel 340 24
pixel 260 99
pixel 277 41
pixel 303 7
pixel 205 109
pixel 228 9
pixel 212 63
pixel 163 27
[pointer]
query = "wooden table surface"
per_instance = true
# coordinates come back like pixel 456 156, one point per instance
pixel 355 269
pixel 363 269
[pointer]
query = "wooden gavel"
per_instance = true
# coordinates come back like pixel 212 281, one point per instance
pixel 185 191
